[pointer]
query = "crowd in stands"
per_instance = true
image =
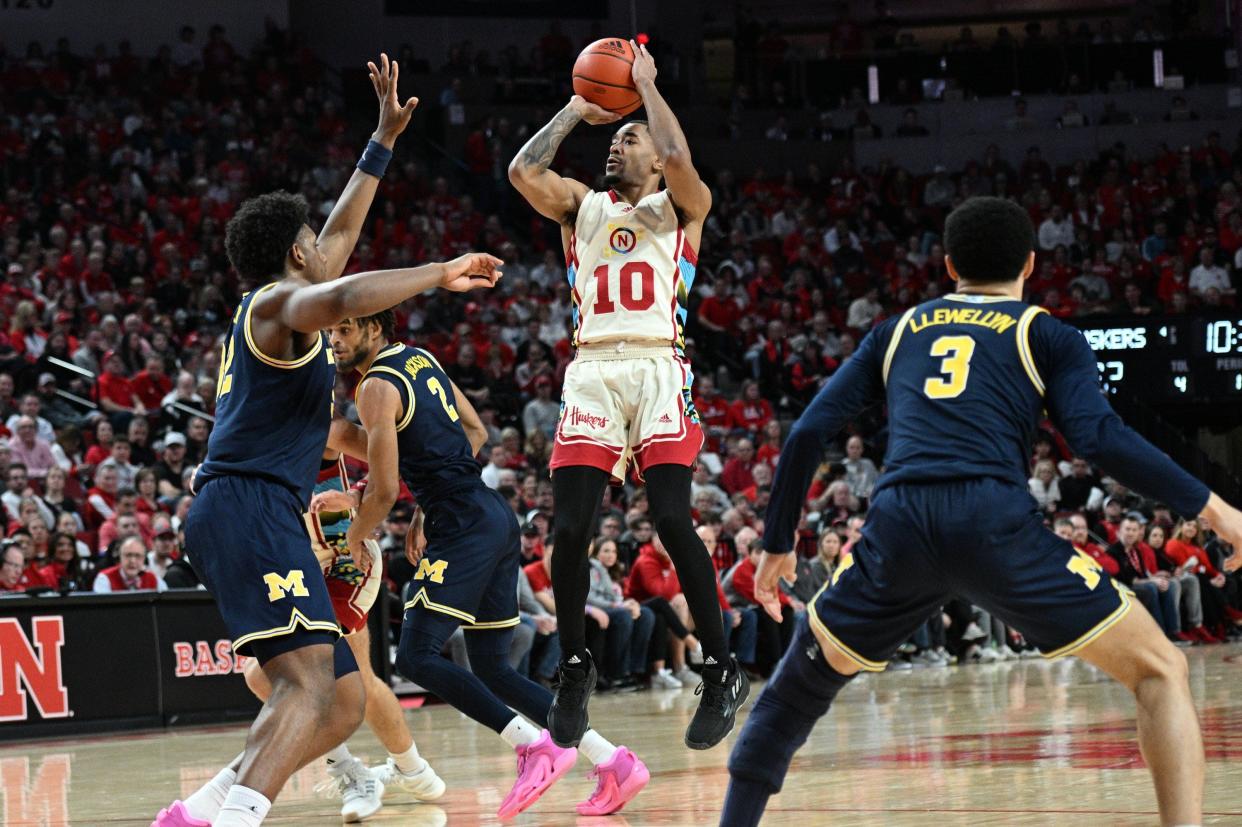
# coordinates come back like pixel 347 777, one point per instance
pixel 118 174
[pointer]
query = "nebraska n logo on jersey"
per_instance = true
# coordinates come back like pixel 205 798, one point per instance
pixel 630 270
pixel 22 670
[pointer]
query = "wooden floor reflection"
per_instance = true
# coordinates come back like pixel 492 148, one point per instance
pixel 1020 743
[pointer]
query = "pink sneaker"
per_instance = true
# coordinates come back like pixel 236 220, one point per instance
pixel 620 779
pixel 176 815
pixel 539 765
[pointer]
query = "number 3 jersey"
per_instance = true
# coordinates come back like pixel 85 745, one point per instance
pixel 967 379
pixel 272 415
pixel 434 454
pixel 630 270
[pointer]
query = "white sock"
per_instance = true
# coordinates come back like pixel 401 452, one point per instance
pixel 596 747
pixel 520 731
pixel 337 755
pixel 409 762
pixel 205 803
pixel 243 807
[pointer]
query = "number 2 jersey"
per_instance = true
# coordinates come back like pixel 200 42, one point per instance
pixel 630 270
pixel 272 415
pixel 966 379
pixel 434 454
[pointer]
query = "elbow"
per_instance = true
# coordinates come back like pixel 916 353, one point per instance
pixel 517 172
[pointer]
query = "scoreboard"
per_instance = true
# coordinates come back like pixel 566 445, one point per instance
pixel 1169 359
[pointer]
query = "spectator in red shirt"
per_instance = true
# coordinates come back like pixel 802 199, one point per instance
pixel 102 449
pixel 116 392
pixel 770 449
pixel 737 475
pixel 713 410
pixel 153 384
pixel 1189 558
pixel 13 576
pixel 131 573
pixel 653 582
pixel 750 413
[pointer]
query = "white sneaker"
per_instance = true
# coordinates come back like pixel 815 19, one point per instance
pixel 899 665
pixel 989 654
pixel 361 793
pixel 687 676
pixel 1008 654
pixel 664 680
pixel 695 656
pixel 424 785
pixel 973 632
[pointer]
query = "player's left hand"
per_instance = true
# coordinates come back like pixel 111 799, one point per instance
pixel 644 68
pixel 359 553
pixel 394 116
pixel 333 501
pixel 773 568
pixel 470 271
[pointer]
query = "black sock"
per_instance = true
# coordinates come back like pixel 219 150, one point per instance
pixel 668 492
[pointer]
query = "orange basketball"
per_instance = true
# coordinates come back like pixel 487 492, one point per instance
pixel 602 75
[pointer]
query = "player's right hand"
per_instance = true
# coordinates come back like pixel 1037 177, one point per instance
pixel 415 539
pixel 592 113
pixel 773 568
pixel 470 271
pixel 394 116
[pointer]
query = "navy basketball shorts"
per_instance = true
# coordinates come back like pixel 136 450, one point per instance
pixel 982 540
pixel 246 539
pixel 470 567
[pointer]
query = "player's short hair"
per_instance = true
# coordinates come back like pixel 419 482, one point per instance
pixel 386 319
pixel 988 239
pixel 259 235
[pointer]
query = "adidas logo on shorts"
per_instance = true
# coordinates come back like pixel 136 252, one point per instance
pixel 666 420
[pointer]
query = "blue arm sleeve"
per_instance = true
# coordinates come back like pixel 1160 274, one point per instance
pixel 1093 429
pixel 855 386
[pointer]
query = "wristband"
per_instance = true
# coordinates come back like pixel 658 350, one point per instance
pixel 375 158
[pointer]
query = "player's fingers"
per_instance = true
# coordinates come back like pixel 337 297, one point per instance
pixel 396 70
pixel 411 104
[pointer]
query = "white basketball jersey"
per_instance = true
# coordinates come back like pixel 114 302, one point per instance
pixel 630 270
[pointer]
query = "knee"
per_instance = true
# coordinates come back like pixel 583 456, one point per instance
pixel 679 602
pixel 1162 663
pixel 351 703
pixel 413 659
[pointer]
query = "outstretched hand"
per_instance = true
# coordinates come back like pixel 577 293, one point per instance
pixel 394 116
pixel 331 501
pixel 470 271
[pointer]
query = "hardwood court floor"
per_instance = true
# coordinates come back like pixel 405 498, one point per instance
pixel 1025 743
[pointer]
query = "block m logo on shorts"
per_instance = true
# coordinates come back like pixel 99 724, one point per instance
pixel 278 586
pixel 428 569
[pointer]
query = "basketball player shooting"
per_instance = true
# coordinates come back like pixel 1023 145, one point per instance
pixel 630 255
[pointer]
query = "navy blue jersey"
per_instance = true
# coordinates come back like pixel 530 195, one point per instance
pixel 272 415
pixel 435 455
pixel 965 378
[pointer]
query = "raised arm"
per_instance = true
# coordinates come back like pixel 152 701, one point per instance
pixel 340 232
pixel 685 187
pixel 378 406
pixel 1096 433
pixel 551 195
pixel 308 308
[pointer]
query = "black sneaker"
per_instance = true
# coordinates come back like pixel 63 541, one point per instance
pixel 724 690
pixel 567 717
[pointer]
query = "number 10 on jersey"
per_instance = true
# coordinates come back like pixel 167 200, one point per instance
pixel 629 273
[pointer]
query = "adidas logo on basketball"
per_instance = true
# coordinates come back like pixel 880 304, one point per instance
pixel 666 420
pixel 615 45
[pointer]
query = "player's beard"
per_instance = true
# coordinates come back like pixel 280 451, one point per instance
pixel 611 179
pixel 347 363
